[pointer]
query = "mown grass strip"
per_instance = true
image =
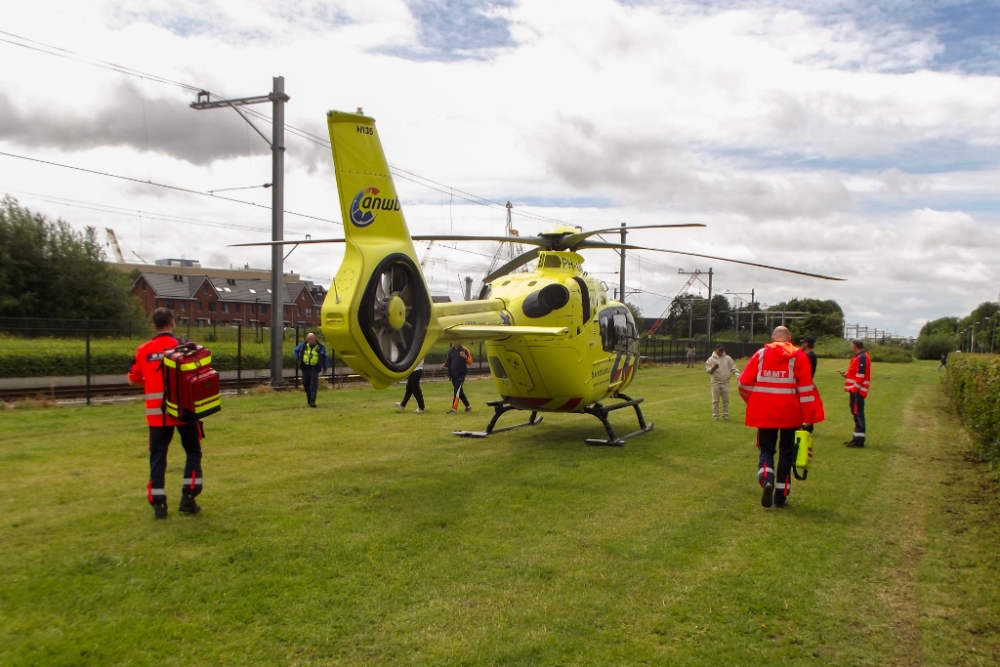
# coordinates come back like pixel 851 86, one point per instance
pixel 355 534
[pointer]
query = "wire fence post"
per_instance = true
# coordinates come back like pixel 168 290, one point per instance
pixel 86 326
pixel 239 359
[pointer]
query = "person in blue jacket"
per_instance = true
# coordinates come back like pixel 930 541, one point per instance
pixel 311 358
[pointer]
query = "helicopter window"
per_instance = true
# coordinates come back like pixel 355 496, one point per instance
pixel 497 368
pixel 584 297
pixel 532 283
pixel 551 261
pixel 506 282
pixel 618 332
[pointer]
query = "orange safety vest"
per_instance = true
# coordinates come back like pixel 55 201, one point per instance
pixel 778 388
pixel 146 369
pixel 859 375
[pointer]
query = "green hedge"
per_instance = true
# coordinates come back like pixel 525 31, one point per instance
pixel 974 384
pixel 840 348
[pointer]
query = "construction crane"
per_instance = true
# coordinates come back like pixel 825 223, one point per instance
pixel 506 252
pixel 666 313
pixel 113 242
pixel 427 254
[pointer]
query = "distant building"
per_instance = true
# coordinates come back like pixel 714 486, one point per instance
pixel 192 267
pixel 204 300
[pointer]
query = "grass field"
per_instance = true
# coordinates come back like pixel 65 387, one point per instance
pixel 354 534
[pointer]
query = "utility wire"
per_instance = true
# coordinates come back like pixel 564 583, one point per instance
pixel 163 185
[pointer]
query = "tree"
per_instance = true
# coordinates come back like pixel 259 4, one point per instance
pixel 49 270
pixel 825 317
pixel 636 313
pixel 722 316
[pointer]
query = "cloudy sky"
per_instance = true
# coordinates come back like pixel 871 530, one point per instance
pixel 856 139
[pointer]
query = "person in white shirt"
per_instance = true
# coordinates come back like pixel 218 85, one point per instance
pixel 721 367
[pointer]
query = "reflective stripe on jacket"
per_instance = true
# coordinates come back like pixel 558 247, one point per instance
pixel 146 369
pixel 859 375
pixel 778 389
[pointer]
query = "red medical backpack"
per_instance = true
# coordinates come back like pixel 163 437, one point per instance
pixel 190 384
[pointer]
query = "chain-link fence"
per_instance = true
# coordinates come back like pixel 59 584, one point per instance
pixel 667 351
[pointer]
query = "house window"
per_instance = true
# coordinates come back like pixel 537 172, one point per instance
pixel 169 303
pixel 236 308
pixel 211 307
pixel 309 312
pixel 183 306
pixel 225 307
pixel 263 309
pixel 144 286
pixel 199 307
pixel 298 311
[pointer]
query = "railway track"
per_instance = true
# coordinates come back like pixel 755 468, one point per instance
pixel 124 390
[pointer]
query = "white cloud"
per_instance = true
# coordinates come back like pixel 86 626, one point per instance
pixel 805 142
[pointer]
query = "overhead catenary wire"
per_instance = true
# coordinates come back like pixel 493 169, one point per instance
pixel 163 185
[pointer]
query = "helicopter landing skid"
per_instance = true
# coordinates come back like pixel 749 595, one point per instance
pixel 601 412
pixel 499 407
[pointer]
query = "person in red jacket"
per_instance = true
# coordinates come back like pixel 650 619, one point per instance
pixel 145 371
pixel 857 380
pixel 781 397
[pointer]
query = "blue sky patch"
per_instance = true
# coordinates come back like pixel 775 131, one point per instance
pixel 456 30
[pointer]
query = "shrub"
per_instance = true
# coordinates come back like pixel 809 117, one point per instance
pixel 932 346
pixel 974 384
pixel 840 348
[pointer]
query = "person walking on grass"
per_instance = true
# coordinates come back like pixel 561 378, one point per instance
pixel 944 361
pixel 144 371
pixel 311 358
pixel 457 362
pixel 780 396
pixel 721 367
pixel 413 388
pixel 857 380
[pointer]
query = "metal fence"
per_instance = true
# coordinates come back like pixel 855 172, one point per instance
pixel 70 357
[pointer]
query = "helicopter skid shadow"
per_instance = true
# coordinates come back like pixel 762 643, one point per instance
pixel 500 408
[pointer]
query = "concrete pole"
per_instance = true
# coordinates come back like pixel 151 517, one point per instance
pixel 708 328
pixel 278 99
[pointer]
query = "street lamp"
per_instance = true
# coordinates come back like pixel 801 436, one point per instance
pixel 972 338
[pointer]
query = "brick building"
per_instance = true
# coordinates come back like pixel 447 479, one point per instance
pixel 203 300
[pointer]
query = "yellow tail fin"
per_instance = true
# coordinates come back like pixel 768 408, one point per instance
pixel 379 310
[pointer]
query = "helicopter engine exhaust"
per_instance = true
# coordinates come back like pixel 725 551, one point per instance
pixel 544 301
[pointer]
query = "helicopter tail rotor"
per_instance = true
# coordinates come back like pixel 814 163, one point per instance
pixel 378 315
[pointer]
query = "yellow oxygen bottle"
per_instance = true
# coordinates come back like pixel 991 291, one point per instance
pixel 803 453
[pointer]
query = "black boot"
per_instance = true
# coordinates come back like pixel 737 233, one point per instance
pixel 160 509
pixel 188 505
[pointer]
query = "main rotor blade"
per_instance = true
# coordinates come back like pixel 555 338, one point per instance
pixel 513 264
pixel 529 240
pixel 274 243
pixel 732 261
pixel 573 239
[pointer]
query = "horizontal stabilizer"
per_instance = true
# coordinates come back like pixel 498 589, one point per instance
pixel 501 331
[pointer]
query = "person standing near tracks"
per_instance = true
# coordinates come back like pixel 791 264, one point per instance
pixel 780 396
pixel 721 366
pixel 857 380
pixel 311 358
pixel 145 372
pixel 457 362
pixel 413 388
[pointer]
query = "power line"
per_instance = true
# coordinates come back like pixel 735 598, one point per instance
pixel 152 215
pixel 162 185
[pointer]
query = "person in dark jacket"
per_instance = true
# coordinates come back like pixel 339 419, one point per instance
pixel 413 388
pixel 808 346
pixel 457 362
pixel 311 358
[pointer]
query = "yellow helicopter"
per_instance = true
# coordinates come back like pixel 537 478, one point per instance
pixel 554 340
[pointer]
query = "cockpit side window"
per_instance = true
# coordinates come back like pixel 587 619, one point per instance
pixel 618 331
